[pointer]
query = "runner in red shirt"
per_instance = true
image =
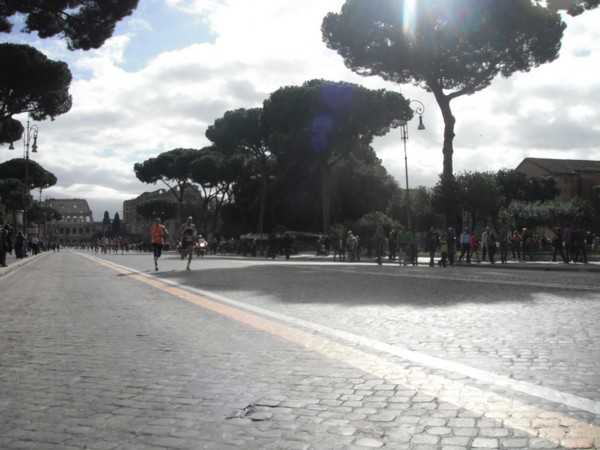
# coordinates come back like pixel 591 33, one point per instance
pixel 158 232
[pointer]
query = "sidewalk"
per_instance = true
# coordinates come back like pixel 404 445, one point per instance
pixel 14 263
pixel 592 266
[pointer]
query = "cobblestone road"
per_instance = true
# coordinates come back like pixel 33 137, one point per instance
pixel 100 357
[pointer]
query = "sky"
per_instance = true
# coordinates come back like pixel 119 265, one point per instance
pixel 175 66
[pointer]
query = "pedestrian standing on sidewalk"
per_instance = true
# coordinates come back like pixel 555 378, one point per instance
pixel 342 247
pixel 451 238
pixel 350 246
pixel 392 245
pixel 187 234
pixel 432 242
pixel 484 242
pixel 503 246
pixel 557 246
pixel 287 244
pixel 379 241
pixel 20 242
pixel 443 250
pixel 158 233
pixel 413 250
pixel 567 237
pixel 580 243
pixel 474 246
pixel 516 244
pixel 527 244
pixel 465 246
pixel 403 241
pixel 491 245
pixel 3 246
pixel 357 248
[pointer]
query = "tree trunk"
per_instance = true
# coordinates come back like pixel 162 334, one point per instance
pixel 448 184
pixel 263 196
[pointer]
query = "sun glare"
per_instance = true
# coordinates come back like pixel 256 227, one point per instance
pixel 408 16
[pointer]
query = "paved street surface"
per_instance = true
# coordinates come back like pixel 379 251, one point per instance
pixel 103 352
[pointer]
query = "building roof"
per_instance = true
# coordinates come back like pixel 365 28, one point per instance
pixel 151 195
pixel 70 206
pixel 556 166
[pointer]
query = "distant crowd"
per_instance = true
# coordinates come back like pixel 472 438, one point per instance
pixel 443 248
pixel 446 248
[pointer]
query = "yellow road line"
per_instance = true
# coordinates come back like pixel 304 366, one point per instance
pixel 547 425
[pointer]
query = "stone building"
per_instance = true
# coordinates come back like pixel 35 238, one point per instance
pixel 77 224
pixel 575 178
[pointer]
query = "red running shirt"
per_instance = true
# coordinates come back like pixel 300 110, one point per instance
pixel 158 232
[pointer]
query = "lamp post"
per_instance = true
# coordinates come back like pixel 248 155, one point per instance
pixel 31 134
pixel 419 109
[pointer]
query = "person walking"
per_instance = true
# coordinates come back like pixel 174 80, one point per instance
pixel 187 234
pixel 158 233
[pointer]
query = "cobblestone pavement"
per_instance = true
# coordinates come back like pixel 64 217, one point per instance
pixel 99 357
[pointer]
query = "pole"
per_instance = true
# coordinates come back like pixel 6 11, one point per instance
pixel 30 132
pixel 405 138
pixel 419 110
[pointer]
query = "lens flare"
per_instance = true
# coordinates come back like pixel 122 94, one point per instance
pixel 408 17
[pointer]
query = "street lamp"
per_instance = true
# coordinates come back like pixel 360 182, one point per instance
pixel 419 109
pixel 31 134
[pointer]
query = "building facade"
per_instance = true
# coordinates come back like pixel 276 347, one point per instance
pixel 575 178
pixel 76 225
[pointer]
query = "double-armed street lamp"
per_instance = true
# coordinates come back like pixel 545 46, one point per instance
pixel 419 109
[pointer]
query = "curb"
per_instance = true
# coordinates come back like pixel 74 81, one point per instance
pixel 14 264
pixel 591 266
